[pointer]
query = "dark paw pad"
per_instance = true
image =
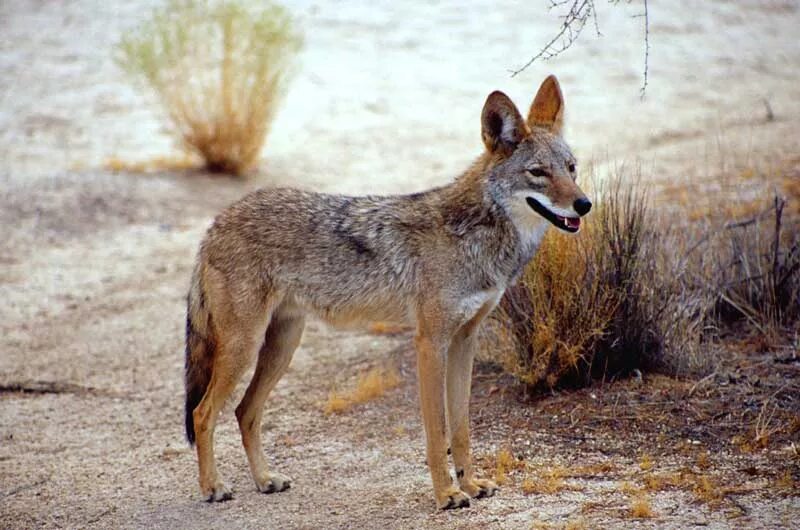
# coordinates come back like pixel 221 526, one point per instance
pixel 456 503
pixel 220 496
pixel 276 486
pixel 485 492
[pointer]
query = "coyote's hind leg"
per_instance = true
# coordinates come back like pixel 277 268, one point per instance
pixel 239 326
pixel 280 342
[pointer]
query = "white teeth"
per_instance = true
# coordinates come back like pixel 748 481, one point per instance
pixel 566 221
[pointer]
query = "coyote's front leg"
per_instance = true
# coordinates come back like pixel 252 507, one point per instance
pixel 459 380
pixel 431 366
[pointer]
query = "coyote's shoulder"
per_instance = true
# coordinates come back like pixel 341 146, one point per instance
pixel 439 259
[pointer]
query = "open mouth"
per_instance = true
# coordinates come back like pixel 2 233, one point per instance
pixel 568 224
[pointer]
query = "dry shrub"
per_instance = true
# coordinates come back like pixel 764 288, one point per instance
pixel 650 289
pixel 219 70
pixel 371 385
pixel 602 303
pixel 707 491
pixel 553 293
pixel 753 268
pixel 746 254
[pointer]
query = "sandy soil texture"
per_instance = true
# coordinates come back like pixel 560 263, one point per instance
pixel 94 265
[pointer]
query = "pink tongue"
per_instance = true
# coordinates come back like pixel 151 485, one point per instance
pixel 574 223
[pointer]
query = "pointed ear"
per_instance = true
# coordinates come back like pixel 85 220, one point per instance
pixel 547 109
pixel 501 123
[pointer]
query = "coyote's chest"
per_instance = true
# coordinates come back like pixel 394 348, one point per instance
pixel 530 237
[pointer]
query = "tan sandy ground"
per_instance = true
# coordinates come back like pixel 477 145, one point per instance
pixel 94 265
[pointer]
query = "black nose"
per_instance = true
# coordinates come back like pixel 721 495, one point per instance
pixel 582 205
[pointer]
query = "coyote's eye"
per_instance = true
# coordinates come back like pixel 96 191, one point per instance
pixel 538 172
pixel 571 168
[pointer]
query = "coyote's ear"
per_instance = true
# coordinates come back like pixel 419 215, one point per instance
pixel 501 123
pixel 547 109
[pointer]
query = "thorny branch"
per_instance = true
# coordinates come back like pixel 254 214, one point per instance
pixel 579 13
pixel 574 21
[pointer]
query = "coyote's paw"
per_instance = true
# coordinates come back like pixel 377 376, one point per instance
pixel 479 488
pixel 219 492
pixel 274 483
pixel 452 498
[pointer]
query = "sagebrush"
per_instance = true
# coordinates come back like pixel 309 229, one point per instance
pixel 219 71
pixel 647 289
pixel 604 302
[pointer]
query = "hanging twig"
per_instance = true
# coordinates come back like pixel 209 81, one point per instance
pixel 574 21
pixel 580 11
pixel 646 17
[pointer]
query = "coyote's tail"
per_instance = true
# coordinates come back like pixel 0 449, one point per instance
pixel 200 344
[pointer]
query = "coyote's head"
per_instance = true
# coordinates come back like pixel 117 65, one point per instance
pixel 535 170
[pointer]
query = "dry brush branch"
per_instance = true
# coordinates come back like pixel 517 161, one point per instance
pixel 574 22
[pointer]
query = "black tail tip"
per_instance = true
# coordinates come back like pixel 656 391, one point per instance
pixel 192 400
pixel 190 428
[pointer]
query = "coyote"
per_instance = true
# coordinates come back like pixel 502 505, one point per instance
pixel 439 259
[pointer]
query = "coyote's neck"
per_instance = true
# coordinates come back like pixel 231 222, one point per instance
pixel 472 212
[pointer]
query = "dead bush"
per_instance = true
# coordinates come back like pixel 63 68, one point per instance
pixel 218 70
pixel 755 270
pixel 602 303
pixel 641 288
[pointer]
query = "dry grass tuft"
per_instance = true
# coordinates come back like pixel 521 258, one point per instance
pixel 576 524
pixel 504 463
pixel 162 163
pixel 646 462
pixel 546 481
pixel 705 490
pixel 787 483
pixel 592 470
pixel 703 461
pixel 218 70
pixel 388 328
pixel 628 488
pixel 641 508
pixel 765 425
pixel 371 385
pixel 552 295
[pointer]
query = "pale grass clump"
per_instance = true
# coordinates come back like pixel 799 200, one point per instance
pixel 219 70
pixel 371 385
